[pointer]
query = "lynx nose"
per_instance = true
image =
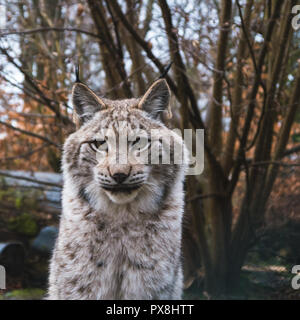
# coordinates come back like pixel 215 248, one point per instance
pixel 120 177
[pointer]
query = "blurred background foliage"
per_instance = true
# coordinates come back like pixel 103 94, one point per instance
pixel 235 73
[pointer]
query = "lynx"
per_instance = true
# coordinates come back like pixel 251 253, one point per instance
pixel 120 228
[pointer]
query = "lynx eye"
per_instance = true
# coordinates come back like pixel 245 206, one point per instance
pixel 98 145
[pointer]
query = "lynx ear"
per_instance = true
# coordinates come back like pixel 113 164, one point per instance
pixel 156 99
pixel 85 103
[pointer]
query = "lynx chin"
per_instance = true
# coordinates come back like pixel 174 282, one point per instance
pixel 120 228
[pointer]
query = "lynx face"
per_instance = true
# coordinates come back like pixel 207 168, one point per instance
pixel 110 153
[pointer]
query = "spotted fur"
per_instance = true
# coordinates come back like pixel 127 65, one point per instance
pixel 123 243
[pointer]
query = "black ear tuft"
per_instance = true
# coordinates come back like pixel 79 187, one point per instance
pixel 85 103
pixel 165 72
pixel 77 74
pixel 156 99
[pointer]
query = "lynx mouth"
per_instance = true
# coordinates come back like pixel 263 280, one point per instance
pixel 122 188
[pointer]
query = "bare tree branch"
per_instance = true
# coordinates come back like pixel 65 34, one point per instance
pixel 4 32
pixel 52 105
pixel 276 163
pixel 215 115
pixel 252 97
pixel 35 135
pixel 25 155
pixel 142 43
pixel 186 91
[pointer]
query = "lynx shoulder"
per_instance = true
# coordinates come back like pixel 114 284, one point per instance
pixel 123 201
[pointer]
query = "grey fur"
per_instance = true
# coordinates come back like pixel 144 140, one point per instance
pixel 118 245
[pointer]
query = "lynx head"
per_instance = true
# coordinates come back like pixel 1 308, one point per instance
pixel 110 153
